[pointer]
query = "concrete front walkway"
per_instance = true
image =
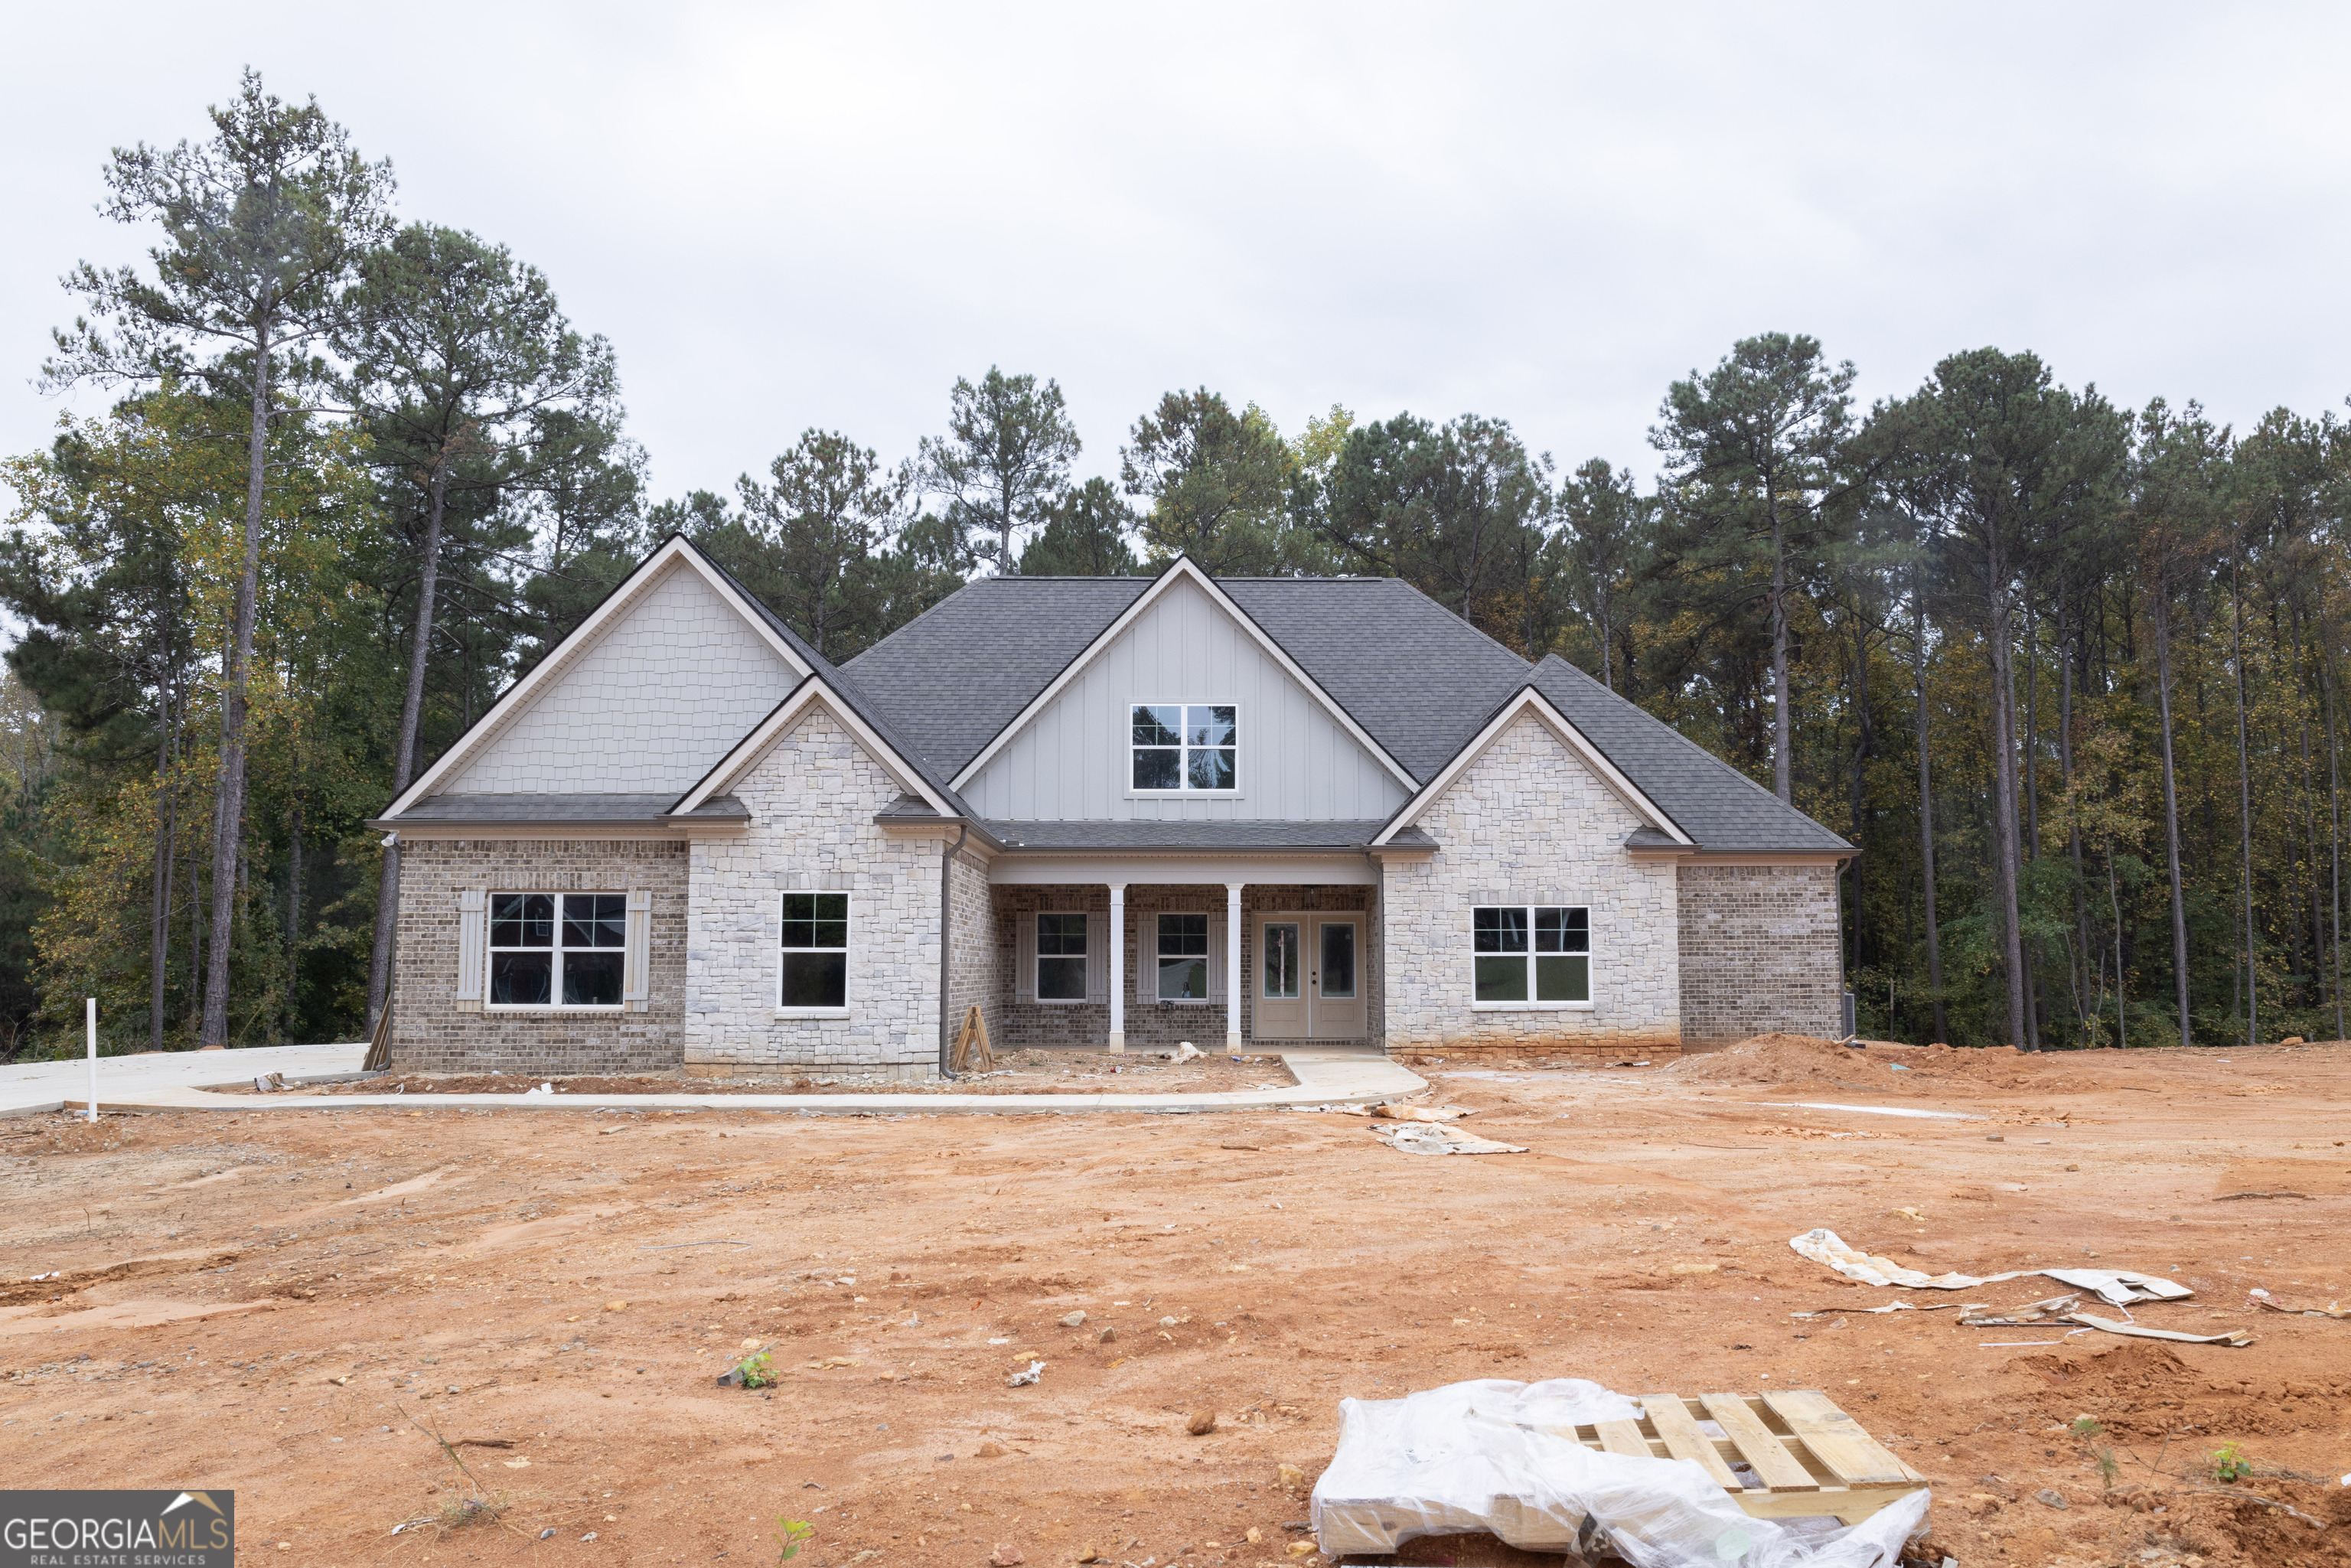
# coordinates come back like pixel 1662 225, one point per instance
pixel 175 1082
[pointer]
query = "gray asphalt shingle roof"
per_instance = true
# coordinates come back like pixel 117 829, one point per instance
pixel 586 810
pixel 1707 798
pixel 1420 680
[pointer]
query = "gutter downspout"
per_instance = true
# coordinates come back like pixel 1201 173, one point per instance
pixel 947 875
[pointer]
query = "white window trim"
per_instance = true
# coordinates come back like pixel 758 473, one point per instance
pixel 1591 955
pixel 555 980
pixel 1240 754
pixel 847 950
pixel 1037 962
pixel 1216 997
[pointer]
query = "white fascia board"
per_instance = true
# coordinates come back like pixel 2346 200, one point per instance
pixel 519 697
pixel 810 692
pixel 1529 700
pixel 1182 569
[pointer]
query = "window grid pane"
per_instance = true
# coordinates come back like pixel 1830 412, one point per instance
pixel 1538 954
pixel 1184 748
pixel 815 936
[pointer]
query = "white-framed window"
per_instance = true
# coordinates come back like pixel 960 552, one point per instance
pixel 1060 957
pixel 1183 749
pixel 557 949
pixel 1532 954
pixel 815 968
pixel 1183 954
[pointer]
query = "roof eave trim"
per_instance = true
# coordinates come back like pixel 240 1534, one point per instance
pixel 1183 568
pixel 519 697
pixel 1528 698
pixel 812 689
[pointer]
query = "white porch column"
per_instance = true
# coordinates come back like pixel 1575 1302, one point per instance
pixel 1232 968
pixel 1118 968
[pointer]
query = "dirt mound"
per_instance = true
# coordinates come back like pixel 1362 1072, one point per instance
pixel 1810 1060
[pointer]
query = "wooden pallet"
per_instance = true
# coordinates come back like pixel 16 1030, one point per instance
pixel 1809 1458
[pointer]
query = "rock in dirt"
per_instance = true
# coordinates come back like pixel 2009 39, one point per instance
pixel 1107 1336
pixel 1200 1423
pixel 1291 1476
pixel 1005 1555
pixel 2051 1496
pixel 1074 1320
pixel 988 1451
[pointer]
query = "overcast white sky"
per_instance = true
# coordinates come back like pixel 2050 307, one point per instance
pixel 795 215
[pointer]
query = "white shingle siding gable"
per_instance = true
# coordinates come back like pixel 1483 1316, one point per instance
pixel 812 800
pixel 1528 823
pixel 1297 763
pixel 678 681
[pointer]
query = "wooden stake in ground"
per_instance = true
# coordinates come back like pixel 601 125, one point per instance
pixel 975 1033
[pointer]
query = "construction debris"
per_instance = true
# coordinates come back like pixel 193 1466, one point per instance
pixel 2239 1338
pixel 1426 1138
pixel 1023 1379
pixel 1508 1458
pixel 2115 1287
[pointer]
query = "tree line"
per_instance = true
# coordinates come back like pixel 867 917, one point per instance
pixel 2065 672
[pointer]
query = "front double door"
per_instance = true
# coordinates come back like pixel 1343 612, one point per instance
pixel 1310 976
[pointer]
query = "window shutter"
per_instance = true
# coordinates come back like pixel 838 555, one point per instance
pixel 1097 957
pixel 1215 958
pixel 473 940
pixel 1024 957
pixel 636 966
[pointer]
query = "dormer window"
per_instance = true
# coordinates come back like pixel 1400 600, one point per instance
pixel 1186 748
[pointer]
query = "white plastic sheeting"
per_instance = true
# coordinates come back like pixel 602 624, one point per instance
pixel 2115 1287
pixel 1503 1456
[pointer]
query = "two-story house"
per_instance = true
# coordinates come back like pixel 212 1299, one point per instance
pixel 1121 811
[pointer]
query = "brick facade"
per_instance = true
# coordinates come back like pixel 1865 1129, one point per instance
pixel 1761 952
pixel 812 800
pixel 1528 823
pixel 433 1032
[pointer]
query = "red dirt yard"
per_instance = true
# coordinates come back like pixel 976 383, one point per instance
pixel 263 1299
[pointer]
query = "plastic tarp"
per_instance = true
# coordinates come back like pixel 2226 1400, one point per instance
pixel 2115 1287
pixel 1503 1456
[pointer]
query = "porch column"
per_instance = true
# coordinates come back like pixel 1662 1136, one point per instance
pixel 1232 968
pixel 1118 968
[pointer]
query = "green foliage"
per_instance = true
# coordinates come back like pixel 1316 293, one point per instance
pixel 759 1371
pixel 792 1534
pixel 1217 483
pixel 2230 1463
pixel 1002 465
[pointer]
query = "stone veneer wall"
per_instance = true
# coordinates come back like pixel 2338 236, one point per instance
pixel 1760 951
pixel 1148 1026
pixel 812 800
pixel 1528 823
pixel 428 1032
pixel 975 973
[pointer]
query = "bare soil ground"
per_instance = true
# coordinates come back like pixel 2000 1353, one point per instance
pixel 279 1302
pixel 1017 1073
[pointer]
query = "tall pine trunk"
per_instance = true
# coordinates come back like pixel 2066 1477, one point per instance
pixel 1782 723
pixel 228 828
pixel 2004 723
pixel 1927 811
pixel 2245 790
pixel 2162 617
pixel 2334 827
pixel 403 761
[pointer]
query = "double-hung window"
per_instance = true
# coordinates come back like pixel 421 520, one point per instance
pixel 1183 954
pixel 816 950
pixel 557 949
pixel 1061 957
pixel 1185 747
pixel 1538 954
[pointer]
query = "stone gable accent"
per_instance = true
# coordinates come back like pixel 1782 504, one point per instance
pixel 1761 952
pixel 812 800
pixel 433 1032
pixel 1528 823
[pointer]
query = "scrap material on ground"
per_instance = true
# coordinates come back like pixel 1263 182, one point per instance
pixel 279 1302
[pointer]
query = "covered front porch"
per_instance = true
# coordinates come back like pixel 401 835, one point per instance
pixel 1231 955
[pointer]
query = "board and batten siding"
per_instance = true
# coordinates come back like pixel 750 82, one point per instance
pixel 1297 763
pixel 665 693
